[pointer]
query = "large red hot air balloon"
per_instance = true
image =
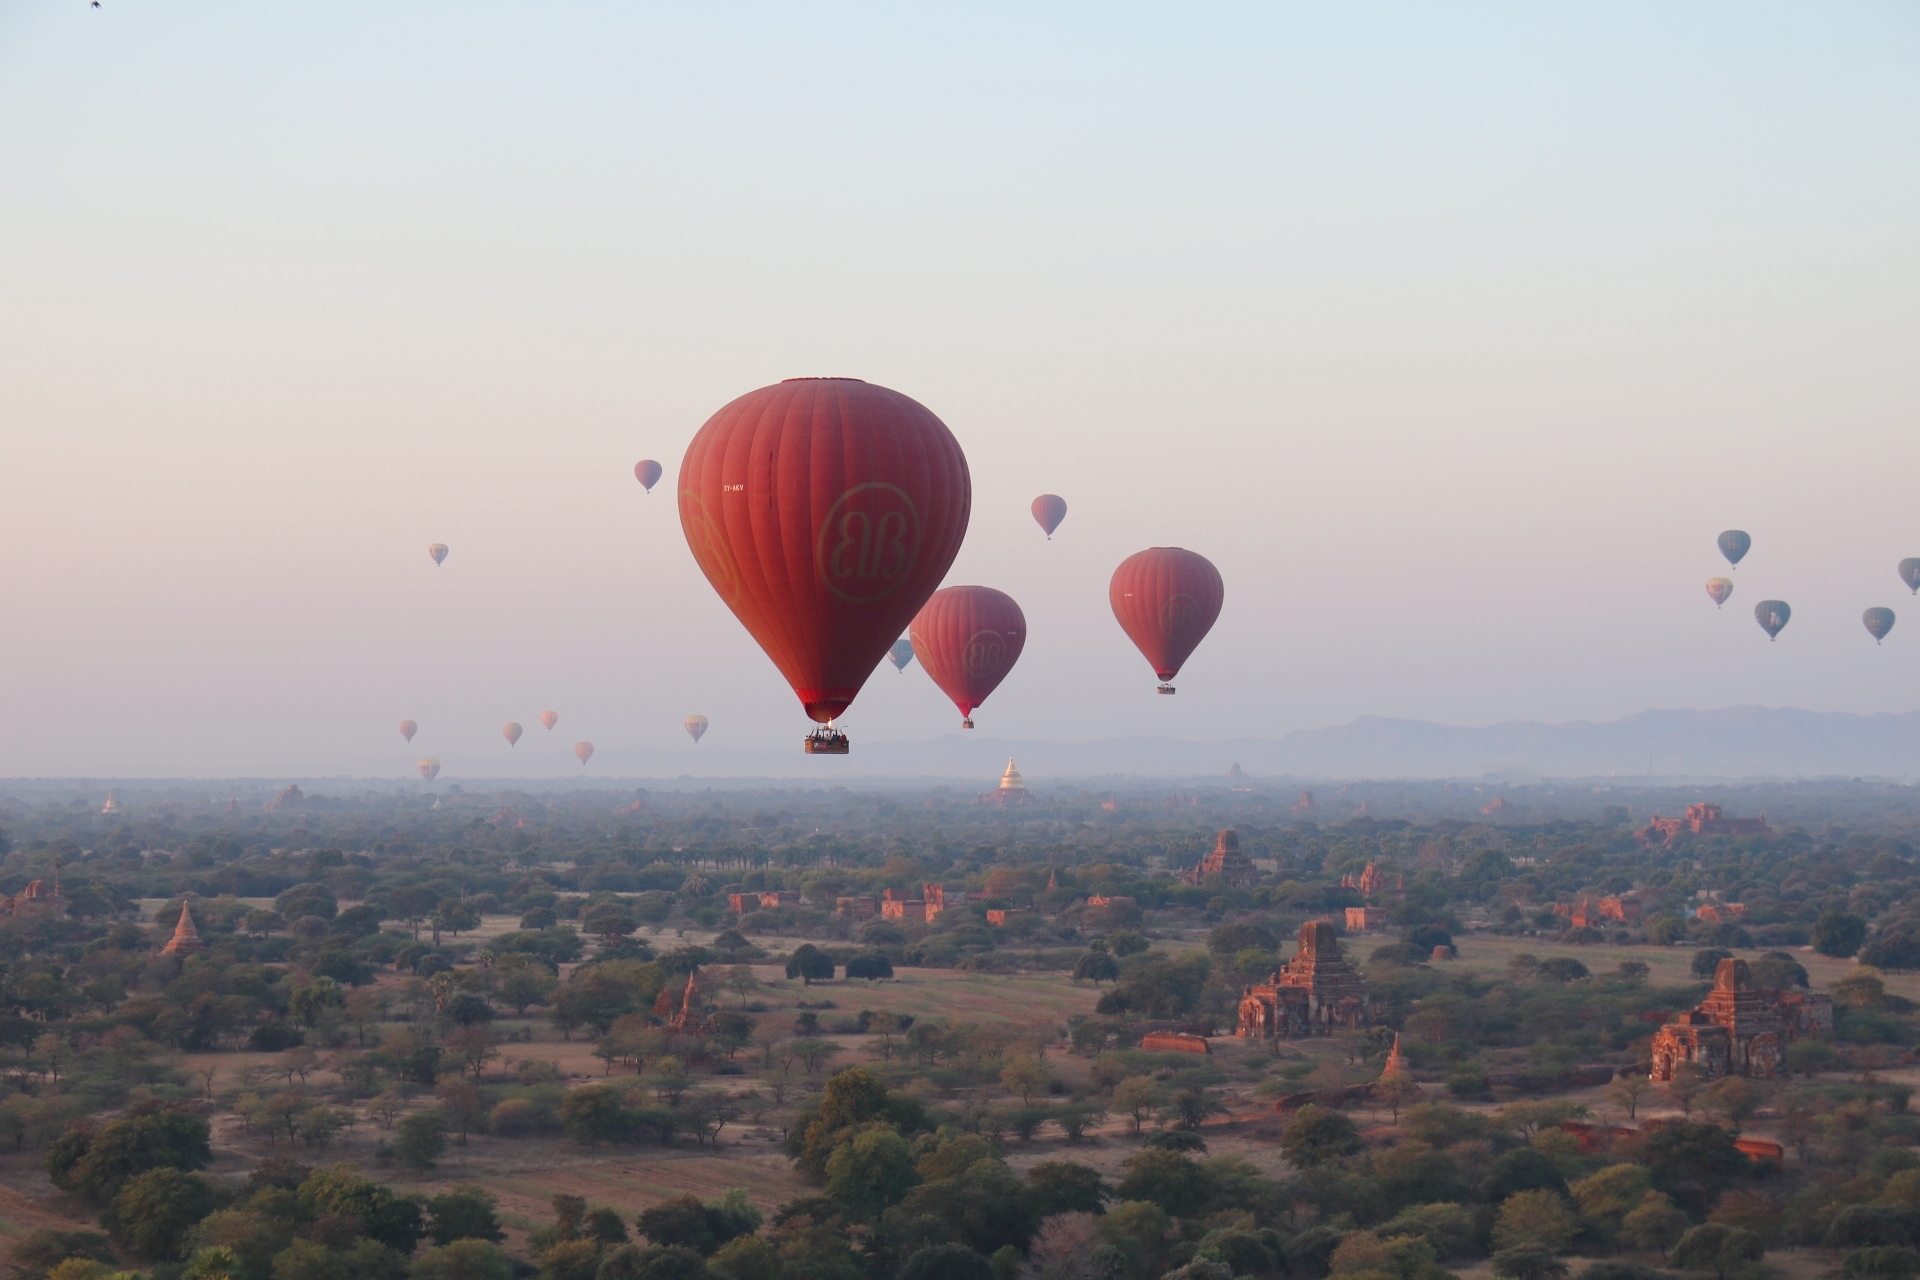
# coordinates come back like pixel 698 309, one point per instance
pixel 968 638
pixel 1166 599
pixel 824 511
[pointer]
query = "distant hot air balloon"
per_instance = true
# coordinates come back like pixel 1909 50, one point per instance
pixel 824 511
pixel 1772 615
pixel 1719 589
pixel 407 729
pixel 1879 622
pixel 967 639
pixel 901 653
pixel 511 732
pixel 584 750
pixel 696 726
pixel 1910 573
pixel 647 472
pixel 1166 600
pixel 1734 544
pixel 1049 509
pixel 438 551
pixel 429 768
pixel 549 719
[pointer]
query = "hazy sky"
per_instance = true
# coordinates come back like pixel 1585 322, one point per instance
pixel 1452 334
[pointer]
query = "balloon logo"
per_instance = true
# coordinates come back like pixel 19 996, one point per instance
pixel 1878 623
pixel 968 639
pixel 901 653
pixel 648 473
pixel 438 551
pixel 696 727
pixel 1166 599
pixel 511 732
pixel 1734 544
pixel 429 768
pixel 549 719
pixel 868 541
pixel 1048 511
pixel 584 750
pixel 1719 589
pixel 407 729
pixel 1910 573
pixel 1772 616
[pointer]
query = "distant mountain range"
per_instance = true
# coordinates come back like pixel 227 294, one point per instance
pixel 1737 742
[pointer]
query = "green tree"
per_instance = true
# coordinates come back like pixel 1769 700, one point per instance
pixel 97 1163
pixel 1838 934
pixel 1096 967
pixel 464 1213
pixel 153 1212
pixel 1317 1135
pixel 420 1140
pixel 1655 1225
pixel 468 1259
pixel 1138 1097
pixel 945 1262
pixel 1719 1249
pixel 339 1190
pixel 1166 1178
pixel 871 1173
pixel 1066 1186
pixel 1528 1262
pixel 1539 1217
pixel 1024 1076
pixel 810 964
pixel 870 965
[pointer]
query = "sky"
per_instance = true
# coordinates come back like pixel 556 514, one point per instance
pixel 1453 335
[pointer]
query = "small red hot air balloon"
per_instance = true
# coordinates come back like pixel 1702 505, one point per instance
pixel 1166 599
pixel 584 750
pixel 511 732
pixel 968 638
pixel 1049 510
pixel 648 473
pixel 824 511
pixel 407 729
pixel 549 719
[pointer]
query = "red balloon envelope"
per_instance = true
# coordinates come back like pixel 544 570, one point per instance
pixel 1049 509
pixel 824 511
pixel 1166 599
pixel 968 638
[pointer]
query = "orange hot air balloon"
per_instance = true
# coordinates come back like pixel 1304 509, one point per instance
pixel 824 511
pixel 511 732
pixel 407 729
pixel 648 473
pixel 1166 599
pixel 438 551
pixel 968 638
pixel 1720 589
pixel 429 768
pixel 584 750
pixel 1049 510
pixel 549 719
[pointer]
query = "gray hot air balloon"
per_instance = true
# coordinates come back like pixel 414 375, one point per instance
pixel 1734 544
pixel 901 653
pixel 695 726
pixel 511 732
pixel 438 551
pixel 1910 573
pixel 1878 623
pixel 1719 589
pixel 407 729
pixel 429 768
pixel 1772 615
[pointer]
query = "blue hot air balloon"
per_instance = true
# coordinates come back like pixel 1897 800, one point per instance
pixel 1878 623
pixel 1734 544
pixel 1772 616
pixel 901 653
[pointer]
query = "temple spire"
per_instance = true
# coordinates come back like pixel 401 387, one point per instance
pixel 185 938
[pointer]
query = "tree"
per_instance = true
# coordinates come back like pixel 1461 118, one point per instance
pixel 1096 967
pixel 1809 1057
pixel 1137 1097
pixel 1654 1225
pixel 1178 1185
pixel 945 1262
pixel 523 987
pixel 462 1105
pixel 421 1139
pixel 1066 1186
pixel 1686 1086
pixel 464 1213
pixel 1316 1135
pixel 685 1223
pixel 1706 961
pixel 97 1163
pixel 455 917
pixel 154 1211
pixel 340 1191
pixel 870 1174
pixel 1627 1090
pixel 1838 934
pixel 1613 1192
pixel 410 906
pixel 467 1259
pixel 741 981
pixel 870 965
pixel 1538 1217
pixel 1719 1249
pixel 1024 1076
pixel 609 923
pixel 1528 1262
pixel 1733 1099
pixel 810 964
pixel 814 1052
